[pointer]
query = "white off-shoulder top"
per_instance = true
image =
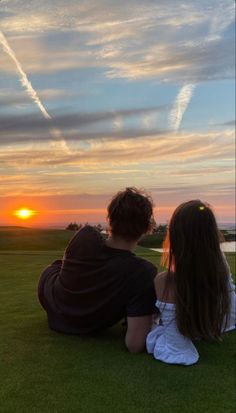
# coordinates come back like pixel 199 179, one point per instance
pixel 167 344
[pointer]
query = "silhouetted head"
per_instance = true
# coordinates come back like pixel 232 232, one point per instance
pixel 130 214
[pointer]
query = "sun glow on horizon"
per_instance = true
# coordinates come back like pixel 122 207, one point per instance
pixel 24 213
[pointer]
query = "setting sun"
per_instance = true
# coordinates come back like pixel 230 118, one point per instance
pixel 24 213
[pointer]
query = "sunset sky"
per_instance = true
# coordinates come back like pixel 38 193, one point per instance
pixel 99 95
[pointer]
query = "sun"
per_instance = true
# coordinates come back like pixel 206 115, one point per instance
pixel 24 213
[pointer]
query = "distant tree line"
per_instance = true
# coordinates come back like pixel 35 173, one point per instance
pixel 229 235
pixel 160 229
pixel 73 226
pixel 153 240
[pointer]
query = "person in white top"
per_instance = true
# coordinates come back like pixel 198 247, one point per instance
pixel 196 296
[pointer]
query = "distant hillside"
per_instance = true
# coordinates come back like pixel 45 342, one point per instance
pixel 11 227
pixel 28 239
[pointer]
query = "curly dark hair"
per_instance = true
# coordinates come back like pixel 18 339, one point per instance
pixel 130 214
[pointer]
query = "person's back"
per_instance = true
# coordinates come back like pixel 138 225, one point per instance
pixel 196 296
pixel 99 281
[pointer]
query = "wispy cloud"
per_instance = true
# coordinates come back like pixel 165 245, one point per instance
pixel 222 18
pixel 56 133
pixel 116 56
pixel 228 123
pixel 181 103
pixel 162 148
pixel 26 128
pixel 118 123
pixel 10 98
pixel 108 38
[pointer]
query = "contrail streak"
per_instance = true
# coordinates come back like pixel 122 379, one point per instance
pixel 56 133
pixel 181 103
pixel 223 17
pixel 23 78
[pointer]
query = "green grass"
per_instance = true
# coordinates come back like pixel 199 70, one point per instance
pixel 42 371
pixel 152 240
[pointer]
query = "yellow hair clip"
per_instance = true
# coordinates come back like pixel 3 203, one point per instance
pixel 201 208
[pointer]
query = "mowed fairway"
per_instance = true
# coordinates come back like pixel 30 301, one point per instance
pixel 43 371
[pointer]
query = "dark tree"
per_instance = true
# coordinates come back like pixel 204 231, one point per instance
pixel 73 226
pixel 98 227
pixel 161 229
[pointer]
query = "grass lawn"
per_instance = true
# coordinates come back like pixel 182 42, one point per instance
pixel 43 371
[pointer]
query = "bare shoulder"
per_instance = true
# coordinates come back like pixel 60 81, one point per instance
pixel 164 292
pixel 159 283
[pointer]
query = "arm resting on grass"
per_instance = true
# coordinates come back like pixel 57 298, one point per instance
pixel 137 330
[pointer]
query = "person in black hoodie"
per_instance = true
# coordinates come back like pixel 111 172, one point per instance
pixel 99 282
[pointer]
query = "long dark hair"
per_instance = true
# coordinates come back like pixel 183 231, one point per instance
pixel 197 270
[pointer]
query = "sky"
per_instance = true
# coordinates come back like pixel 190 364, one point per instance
pixel 100 95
